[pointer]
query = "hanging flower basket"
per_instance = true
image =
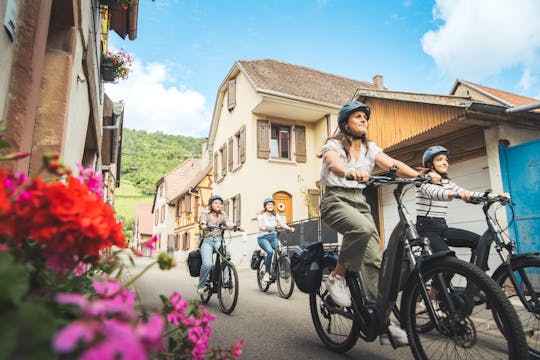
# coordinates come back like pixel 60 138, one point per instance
pixel 115 66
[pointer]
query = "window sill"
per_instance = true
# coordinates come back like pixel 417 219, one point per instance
pixel 236 167
pixel 282 161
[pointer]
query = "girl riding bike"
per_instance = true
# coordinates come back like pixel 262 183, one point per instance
pixel 268 221
pixel 432 205
pixel 210 222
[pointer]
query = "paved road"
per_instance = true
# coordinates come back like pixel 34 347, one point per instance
pixel 271 327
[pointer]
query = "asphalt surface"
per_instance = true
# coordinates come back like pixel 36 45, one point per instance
pixel 271 327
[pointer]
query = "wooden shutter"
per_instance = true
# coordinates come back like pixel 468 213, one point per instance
pixel 242 145
pixel 215 166
pixel 300 141
pixel 230 151
pixel 224 160
pixel 237 210
pixel 187 203
pixel 231 95
pixel 226 206
pixel 263 139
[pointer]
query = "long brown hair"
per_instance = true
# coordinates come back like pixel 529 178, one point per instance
pixel 346 142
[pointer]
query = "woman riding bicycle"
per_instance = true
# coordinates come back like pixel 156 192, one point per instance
pixel 268 221
pixel 432 205
pixel 349 154
pixel 211 219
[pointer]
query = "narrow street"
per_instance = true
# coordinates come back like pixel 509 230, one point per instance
pixel 271 327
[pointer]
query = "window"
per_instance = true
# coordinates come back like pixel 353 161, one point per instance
pixel 185 241
pixel 178 209
pixel 156 217
pixel 177 242
pixel 223 160
pixel 278 141
pixel 226 207
pixel 236 148
pixel 187 203
pixel 236 210
pixel 231 95
pixel 162 214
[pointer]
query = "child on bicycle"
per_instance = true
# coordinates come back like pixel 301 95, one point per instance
pixel 344 208
pixel 211 219
pixel 268 220
pixel 432 204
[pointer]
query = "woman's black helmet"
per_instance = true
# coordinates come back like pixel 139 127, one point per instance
pixel 348 109
pixel 268 200
pixel 431 152
pixel 214 197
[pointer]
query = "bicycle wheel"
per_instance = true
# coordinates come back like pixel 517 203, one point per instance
pixel 263 285
pixel 334 325
pixel 527 273
pixel 228 288
pixel 207 294
pixel 463 334
pixel 285 281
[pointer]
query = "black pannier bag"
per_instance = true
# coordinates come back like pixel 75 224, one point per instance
pixel 256 259
pixel 194 261
pixel 306 266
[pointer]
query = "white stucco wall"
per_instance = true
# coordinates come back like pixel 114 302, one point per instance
pixel 6 59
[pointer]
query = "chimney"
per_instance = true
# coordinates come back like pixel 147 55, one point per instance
pixel 378 82
pixel 205 154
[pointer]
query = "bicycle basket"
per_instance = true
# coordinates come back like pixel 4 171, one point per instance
pixel 306 268
pixel 256 259
pixel 194 262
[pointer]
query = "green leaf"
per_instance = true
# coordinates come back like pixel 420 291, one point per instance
pixel 4 144
pixel 13 279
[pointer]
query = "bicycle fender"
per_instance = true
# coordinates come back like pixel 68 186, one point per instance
pixel 514 260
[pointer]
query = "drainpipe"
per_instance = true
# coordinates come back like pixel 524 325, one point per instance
pixel 522 108
pixel 328 125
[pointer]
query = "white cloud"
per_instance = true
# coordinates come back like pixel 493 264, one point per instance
pixel 481 38
pixel 152 103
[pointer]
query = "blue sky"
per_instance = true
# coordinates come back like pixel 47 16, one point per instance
pixel 185 48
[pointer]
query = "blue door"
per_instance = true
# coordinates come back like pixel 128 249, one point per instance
pixel 520 168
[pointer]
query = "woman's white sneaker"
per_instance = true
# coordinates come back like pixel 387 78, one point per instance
pixel 338 290
pixel 398 334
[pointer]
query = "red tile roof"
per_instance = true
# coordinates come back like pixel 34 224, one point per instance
pixel 514 99
pixel 180 177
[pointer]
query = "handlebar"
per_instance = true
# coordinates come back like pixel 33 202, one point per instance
pixel 486 199
pixel 385 180
pixel 223 228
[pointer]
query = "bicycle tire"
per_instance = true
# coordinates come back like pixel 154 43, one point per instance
pixel 207 294
pixel 263 285
pixel 228 288
pixel 285 281
pixel 530 321
pixel 339 333
pixel 461 334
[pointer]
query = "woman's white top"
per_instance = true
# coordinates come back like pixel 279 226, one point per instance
pixel 269 222
pixel 366 162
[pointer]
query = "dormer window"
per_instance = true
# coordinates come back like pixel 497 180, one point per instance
pixel 231 95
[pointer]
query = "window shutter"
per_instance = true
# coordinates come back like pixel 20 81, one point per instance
pixel 242 145
pixel 230 151
pixel 226 207
pixel 231 97
pixel 215 166
pixel 263 139
pixel 237 210
pixel 300 140
pixel 187 202
pixel 224 160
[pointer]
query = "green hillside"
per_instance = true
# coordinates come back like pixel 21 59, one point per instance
pixel 146 157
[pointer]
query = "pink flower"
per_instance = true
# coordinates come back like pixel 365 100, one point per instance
pixel 236 348
pixel 107 288
pixel 69 337
pixel 94 181
pixel 79 300
pixel 151 244
pixel 151 332
pixel 3 247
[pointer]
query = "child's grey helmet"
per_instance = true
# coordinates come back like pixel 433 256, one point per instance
pixel 214 197
pixel 268 200
pixel 431 152
pixel 348 109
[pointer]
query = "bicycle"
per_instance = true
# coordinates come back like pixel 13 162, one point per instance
pixel 459 329
pixel 518 274
pixel 223 277
pixel 280 270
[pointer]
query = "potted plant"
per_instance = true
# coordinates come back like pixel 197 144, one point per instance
pixel 115 66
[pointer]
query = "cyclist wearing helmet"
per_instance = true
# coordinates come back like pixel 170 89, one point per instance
pixel 344 208
pixel 432 205
pixel 268 221
pixel 211 219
